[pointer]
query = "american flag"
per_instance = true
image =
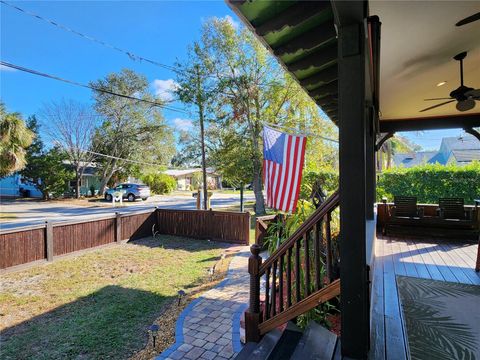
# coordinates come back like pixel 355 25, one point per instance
pixel 283 157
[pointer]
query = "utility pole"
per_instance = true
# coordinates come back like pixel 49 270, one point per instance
pixel 199 102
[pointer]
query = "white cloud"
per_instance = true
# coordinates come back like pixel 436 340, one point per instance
pixel 6 68
pixel 182 124
pixel 164 88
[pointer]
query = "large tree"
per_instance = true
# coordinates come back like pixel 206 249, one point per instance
pixel 15 138
pixel 251 89
pixel 45 169
pixel 71 125
pixel 132 130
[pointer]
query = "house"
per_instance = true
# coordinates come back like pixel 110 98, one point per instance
pixel 14 186
pixel 369 65
pixel 189 179
pixel 89 178
pixel 453 150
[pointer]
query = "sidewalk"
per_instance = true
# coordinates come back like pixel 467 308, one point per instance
pixel 209 327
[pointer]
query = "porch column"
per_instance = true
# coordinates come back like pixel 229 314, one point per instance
pixel 353 86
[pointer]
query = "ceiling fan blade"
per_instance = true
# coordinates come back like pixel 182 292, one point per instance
pixel 438 99
pixel 469 19
pixel 465 105
pixel 475 93
pixel 438 105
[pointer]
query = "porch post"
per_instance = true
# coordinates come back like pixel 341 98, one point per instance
pixel 370 172
pixel 353 86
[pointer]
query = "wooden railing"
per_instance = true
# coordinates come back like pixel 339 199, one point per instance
pixel 298 276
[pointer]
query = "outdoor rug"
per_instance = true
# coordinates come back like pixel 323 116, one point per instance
pixel 441 319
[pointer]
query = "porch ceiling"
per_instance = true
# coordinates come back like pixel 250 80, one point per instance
pixel 301 34
pixel 418 42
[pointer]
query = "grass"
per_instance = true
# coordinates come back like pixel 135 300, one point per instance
pixel 99 304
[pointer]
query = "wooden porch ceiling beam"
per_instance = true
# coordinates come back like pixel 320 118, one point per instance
pixel 293 16
pixel 320 58
pixel 317 36
pixel 323 77
pixel 431 123
pixel 325 90
pixel 327 100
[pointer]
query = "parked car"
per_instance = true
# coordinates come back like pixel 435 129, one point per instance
pixel 131 192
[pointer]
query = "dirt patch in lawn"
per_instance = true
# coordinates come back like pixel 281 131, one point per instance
pixel 100 304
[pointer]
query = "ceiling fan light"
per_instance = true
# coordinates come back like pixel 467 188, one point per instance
pixel 465 105
pixel 441 83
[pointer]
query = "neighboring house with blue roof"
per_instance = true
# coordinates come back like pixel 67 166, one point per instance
pixel 453 150
pixel 14 186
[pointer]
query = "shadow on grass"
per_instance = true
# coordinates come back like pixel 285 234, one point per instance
pixel 110 323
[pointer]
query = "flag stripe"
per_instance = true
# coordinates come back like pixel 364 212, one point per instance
pixel 299 178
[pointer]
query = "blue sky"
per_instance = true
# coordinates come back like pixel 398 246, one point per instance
pixel 159 30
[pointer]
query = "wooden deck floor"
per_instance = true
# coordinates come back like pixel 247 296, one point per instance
pixel 445 261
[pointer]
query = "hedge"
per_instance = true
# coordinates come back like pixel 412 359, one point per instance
pixel 160 183
pixel 430 182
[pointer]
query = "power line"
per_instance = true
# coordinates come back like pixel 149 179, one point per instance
pixel 34 72
pixel 109 156
pixel 130 54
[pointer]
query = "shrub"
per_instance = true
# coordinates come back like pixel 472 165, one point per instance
pixel 328 179
pixel 160 183
pixel 430 182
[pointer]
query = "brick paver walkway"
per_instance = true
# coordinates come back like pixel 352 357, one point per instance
pixel 209 327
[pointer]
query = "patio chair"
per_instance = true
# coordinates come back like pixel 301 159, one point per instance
pixel 406 207
pixel 453 208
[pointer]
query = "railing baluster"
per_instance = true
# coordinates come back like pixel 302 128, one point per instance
pixel 274 289
pixel 316 244
pixel 267 294
pixel 280 280
pixel 306 239
pixel 253 314
pixel 297 270
pixel 328 237
pixel 289 277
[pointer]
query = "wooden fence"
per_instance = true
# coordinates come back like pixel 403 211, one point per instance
pixel 39 243
pixel 205 224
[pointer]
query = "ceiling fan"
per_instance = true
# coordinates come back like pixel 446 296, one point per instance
pixel 464 96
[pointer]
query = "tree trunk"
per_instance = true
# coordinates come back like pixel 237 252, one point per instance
pixel 106 176
pixel 77 183
pixel 257 163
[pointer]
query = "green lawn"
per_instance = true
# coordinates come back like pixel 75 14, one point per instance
pixel 97 305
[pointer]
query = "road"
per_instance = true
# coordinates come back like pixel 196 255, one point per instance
pixel 37 212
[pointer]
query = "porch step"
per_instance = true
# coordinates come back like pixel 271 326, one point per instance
pixel 263 349
pixel 315 342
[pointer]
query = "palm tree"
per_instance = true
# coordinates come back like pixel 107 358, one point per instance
pixel 15 137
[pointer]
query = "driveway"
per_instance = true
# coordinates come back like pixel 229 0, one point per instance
pixel 36 212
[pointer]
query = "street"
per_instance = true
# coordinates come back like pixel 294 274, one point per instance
pixel 24 213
